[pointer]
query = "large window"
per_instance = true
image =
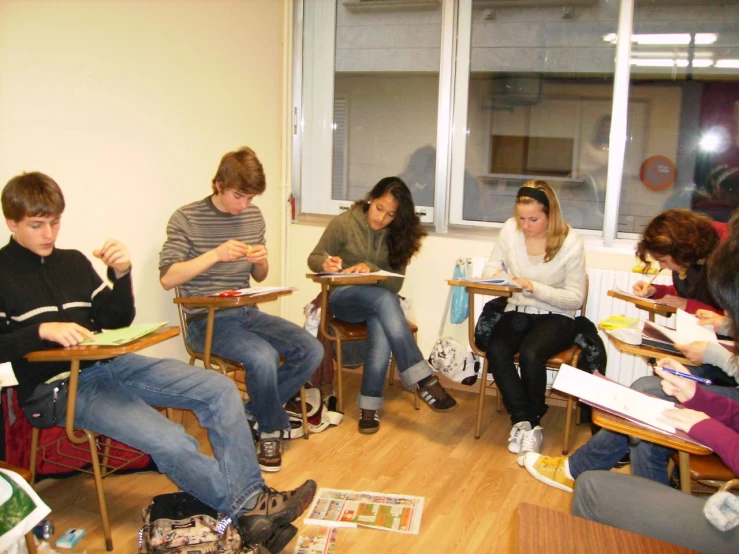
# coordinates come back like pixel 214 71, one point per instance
pixel 466 100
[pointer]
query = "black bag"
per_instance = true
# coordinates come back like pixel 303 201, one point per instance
pixel 47 405
pixel 593 357
pixel 492 311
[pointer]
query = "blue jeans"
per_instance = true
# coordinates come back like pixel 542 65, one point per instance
pixel 257 340
pixel 115 399
pixel 648 460
pixel 387 332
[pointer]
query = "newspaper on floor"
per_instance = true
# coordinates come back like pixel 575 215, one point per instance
pixel 322 541
pixel 389 512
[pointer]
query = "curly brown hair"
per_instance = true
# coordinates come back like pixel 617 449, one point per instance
pixel 405 232
pixel 687 236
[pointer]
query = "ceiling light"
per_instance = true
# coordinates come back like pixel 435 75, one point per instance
pixel 727 63
pixel 669 38
pixel 705 38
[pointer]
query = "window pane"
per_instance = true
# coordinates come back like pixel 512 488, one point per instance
pixel 539 101
pixel 386 92
pixel 685 77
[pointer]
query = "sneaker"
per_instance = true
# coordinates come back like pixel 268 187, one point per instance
pixel 369 422
pixel 624 461
pixel 274 510
pixel 436 396
pixel 550 470
pixel 312 403
pixel 530 442
pixel 269 454
pixel 514 440
pixel 282 537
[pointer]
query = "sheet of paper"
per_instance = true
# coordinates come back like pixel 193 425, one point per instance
pixel 501 279
pixel 381 272
pixel 124 335
pixel 253 291
pixel 7 377
pixel 689 330
pixel 613 396
pixel 632 295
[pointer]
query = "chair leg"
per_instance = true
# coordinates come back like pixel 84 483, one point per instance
pixel 339 378
pixel 34 451
pixel 304 413
pixel 391 371
pixel 578 412
pixel 498 400
pixel 97 472
pixel 481 398
pixel 568 423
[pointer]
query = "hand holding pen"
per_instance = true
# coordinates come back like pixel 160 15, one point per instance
pixel 680 387
pixel 645 289
pixel 332 264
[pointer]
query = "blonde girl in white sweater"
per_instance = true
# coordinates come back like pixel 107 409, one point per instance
pixel 546 258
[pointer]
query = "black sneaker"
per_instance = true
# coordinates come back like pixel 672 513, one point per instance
pixel 435 395
pixel 369 422
pixel 626 460
pixel 269 454
pixel 282 537
pixel 274 511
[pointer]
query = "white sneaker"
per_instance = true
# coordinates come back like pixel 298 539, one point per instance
pixel 530 441
pixel 514 441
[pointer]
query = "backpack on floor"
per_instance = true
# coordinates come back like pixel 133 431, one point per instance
pixel 178 523
pixel 454 361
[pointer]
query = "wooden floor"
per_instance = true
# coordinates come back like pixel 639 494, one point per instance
pixel 471 487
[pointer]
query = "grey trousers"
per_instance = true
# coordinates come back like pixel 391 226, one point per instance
pixel 642 506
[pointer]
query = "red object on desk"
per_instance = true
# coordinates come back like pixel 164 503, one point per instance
pixel 229 293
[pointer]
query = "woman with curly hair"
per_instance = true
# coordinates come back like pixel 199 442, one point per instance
pixel 380 232
pixel 546 258
pixel 680 240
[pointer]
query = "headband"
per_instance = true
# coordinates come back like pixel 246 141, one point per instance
pixel 534 193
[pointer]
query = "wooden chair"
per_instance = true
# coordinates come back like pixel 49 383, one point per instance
pixel 569 356
pixel 230 368
pixel 339 332
pixel 707 473
pixel 25 474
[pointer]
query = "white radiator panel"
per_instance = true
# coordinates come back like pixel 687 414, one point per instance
pixel 623 368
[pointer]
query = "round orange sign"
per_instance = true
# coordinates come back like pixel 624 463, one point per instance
pixel 657 173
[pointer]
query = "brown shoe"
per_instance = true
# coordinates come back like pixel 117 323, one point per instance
pixel 269 454
pixel 369 422
pixel 435 395
pixel 274 510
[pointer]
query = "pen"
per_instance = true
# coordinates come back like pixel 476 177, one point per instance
pixel 655 276
pixel 505 267
pixel 700 380
pixel 229 293
pixel 331 257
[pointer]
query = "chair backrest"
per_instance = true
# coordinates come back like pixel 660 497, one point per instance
pixel 183 322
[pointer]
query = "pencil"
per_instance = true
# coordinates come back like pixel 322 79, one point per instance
pixel 655 276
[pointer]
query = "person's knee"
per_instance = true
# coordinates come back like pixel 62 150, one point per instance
pixel 314 351
pixel 585 494
pixel 649 385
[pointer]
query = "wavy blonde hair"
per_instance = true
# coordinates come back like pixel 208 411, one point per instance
pixel 558 228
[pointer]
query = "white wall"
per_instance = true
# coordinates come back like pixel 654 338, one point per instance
pixel 130 105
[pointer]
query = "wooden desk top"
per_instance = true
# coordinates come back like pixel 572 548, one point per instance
pixel 644 303
pixel 230 301
pixel 486 289
pixel 337 280
pixel 94 352
pixel 540 529
pixel 624 426
pixel 647 351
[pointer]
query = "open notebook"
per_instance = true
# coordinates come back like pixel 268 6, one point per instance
pixel 124 335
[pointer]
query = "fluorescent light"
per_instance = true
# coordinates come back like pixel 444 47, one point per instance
pixel 670 38
pixel 702 63
pixel 727 63
pixel 656 62
pixel 705 38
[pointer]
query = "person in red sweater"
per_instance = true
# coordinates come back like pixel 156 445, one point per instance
pixel 681 240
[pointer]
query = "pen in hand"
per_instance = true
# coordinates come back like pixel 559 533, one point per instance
pixel 700 380
pixel 330 257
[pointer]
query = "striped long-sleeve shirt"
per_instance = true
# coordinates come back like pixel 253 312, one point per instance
pixel 61 287
pixel 199 227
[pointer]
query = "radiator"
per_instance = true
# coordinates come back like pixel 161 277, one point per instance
pixel 624 368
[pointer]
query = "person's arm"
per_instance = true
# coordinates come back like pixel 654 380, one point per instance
pixel 663 290
pixel 571 294
pixel 331 243
pixel 694 305
pixel 111 307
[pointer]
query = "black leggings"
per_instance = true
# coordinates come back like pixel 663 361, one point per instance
pixel 537 337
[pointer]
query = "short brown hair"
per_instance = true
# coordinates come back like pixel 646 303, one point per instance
pixel 687 236
pixel 32 195
pixel 241 170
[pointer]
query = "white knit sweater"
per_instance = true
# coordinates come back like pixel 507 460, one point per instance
pixel 559 284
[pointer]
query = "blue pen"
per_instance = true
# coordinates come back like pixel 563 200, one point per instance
pixel 700 380
pixel 505 267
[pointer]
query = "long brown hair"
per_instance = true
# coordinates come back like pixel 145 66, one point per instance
pixel 558 228
pixel 405 232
